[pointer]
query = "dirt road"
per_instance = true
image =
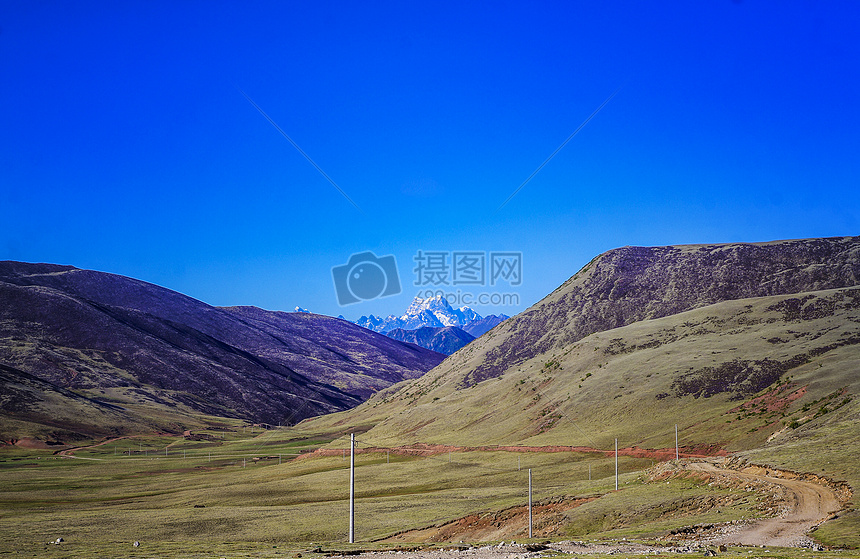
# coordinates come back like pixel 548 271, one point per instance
pixel 808 505
pixel 802 505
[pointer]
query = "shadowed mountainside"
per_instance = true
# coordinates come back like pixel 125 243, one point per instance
pixel 445 340
pixel 480 327
pixel 120 354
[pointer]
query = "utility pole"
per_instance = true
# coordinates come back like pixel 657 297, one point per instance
pixel 676 441
pixel 352 488
pixel 530 503
pixel 616 464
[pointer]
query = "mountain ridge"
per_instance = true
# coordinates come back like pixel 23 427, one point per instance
pixel 623 285
pixel 147 349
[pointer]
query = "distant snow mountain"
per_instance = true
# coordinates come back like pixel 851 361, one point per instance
pixel 434 312
pixel 374 323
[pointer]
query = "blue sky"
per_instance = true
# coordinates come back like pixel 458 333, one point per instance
pixel 127 146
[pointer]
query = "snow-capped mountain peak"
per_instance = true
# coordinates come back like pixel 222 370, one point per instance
pixel 433 311
pixel 468 314
pixel 432 304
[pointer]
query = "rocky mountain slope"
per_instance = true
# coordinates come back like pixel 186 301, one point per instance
pixel 445 340
pixel 630 284
pixel 112 354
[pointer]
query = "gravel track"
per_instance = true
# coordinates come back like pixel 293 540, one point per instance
pixel 809 504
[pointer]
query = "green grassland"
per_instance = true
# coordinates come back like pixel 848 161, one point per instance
pixel 187 503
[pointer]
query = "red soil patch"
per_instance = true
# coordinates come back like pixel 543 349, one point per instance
pixel 777 399
pixel 421 449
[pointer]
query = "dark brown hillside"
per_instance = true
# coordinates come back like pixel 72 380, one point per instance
pixel 160 355
pixel 447 339
pixel 629 284
pixel 374 362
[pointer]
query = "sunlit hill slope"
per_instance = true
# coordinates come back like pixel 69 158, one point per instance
pixel 741 345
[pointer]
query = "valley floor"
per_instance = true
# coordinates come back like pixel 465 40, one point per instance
pixel 192 496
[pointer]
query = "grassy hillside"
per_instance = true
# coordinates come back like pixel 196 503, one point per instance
pixel 630 284
pixel 732 375
pixel 774 379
